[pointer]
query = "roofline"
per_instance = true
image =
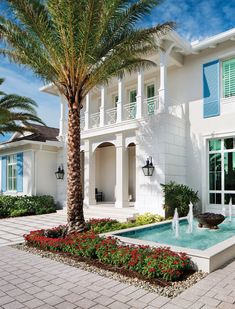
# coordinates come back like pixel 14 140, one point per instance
pixel 212 41
pixel 26 142
pixel 49 88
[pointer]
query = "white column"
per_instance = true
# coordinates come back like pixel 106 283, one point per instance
pixel 163 82
pixel 122 176
pixel 102 106
pixel 89 174
pixel 140 94
pixel 120 100
pixel 87 112
pixel 62 118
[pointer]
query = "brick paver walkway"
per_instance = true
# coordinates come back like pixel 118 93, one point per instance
pixel 13 229
pixel 29 281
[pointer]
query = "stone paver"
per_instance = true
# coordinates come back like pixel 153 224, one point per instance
pixel 29 281
pixel 13 229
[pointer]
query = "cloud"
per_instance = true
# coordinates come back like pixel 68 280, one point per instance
pixel 196 19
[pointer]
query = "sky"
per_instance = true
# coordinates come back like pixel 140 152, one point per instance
pixel 195 20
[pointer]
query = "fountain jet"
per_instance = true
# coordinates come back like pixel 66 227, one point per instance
pixel 190 218
pixel 175 223
pixel 224 210
pixel 230 209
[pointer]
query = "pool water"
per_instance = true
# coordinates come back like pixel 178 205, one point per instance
pixel 201 238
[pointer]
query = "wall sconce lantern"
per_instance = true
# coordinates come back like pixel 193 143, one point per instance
pixel 148 168
pixel 60 173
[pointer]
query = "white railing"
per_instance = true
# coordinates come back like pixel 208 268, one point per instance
pixel 111 115
pixel 95 120
pixel 82 123
pixel 129 111
pixel 151 105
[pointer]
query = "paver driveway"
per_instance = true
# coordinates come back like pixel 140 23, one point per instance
pixel 13 229
pixel 29 281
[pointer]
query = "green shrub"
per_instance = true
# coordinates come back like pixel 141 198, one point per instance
pixel 148 218
pixel 15 206
pixel 178 196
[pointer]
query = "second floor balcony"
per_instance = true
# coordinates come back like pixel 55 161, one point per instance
pixel 119 113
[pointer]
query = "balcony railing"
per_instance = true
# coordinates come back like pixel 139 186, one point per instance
pixel 111 115
pixel 82 123
pixel 151 105
pixel 95 120
pixel 129 111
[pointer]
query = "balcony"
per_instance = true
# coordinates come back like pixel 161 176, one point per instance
pixel 121 113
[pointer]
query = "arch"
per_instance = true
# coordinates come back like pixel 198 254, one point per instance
pixel 105 171
pixel 102 144
pixel 131 148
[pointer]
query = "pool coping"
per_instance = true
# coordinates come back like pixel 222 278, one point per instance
pixel 206 260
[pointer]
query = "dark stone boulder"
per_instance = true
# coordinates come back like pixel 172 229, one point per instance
pixel 209 220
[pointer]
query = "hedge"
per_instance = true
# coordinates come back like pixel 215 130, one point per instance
pixel 15 206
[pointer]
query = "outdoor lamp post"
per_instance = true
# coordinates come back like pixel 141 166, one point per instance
pixel 148 168
pixel 60 173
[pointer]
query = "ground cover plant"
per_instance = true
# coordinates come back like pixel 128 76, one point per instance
pixel 15 206
pixel 108 225
pixel 158 263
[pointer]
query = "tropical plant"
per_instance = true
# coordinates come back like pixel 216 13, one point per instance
pixel 78 45
pixel 178 196
pixel 16 113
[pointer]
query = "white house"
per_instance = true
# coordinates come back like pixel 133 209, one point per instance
pixel 180 113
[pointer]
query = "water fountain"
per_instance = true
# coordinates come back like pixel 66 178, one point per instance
pixel 224 210
pixel 230 210
pixel 175 223
pixel 190 218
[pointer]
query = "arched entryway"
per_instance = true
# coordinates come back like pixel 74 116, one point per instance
pixel 105 172
pixel 132 172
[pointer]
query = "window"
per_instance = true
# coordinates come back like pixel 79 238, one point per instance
pixel 11 172
pixel 115 100
pixel 133 95
pixel 132 98
pixel 150 99
pixel 221 159
pixel 228 69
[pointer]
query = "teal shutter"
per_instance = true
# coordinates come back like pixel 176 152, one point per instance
pixel 19 180
pixel 4 174
pixel 229 78
pixel 211 91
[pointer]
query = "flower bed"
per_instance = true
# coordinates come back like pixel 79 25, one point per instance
pixel 161 263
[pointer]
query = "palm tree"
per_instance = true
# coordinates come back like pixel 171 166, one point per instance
pixel 16 113
pixel 78 44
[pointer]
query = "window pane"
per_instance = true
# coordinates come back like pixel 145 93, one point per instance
pixel 132 96
pixel 150 91
pixel 215 144
pixel 215 198
pixel 14 184
pixel 229 171
pixel 227 198
pixel 215 171
pixel 229 143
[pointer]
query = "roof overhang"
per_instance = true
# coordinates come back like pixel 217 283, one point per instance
pixel 50 89
pixel 25 142
pixel 211 42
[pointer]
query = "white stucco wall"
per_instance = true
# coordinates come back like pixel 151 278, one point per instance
pixel 45 173
pixel 106 172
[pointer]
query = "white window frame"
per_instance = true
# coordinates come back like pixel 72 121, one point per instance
pixel 222 152
pixel 11 162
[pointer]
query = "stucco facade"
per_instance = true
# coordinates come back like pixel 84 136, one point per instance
pixel 158 113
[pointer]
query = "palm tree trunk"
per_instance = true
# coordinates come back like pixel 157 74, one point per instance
pixel 75 216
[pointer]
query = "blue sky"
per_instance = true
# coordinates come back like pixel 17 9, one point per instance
pixel 195 20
